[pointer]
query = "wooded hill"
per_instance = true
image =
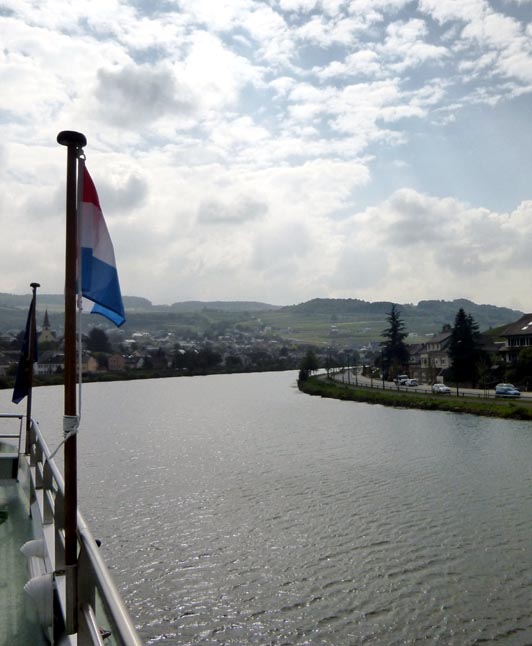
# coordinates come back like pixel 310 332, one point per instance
pixel 320 320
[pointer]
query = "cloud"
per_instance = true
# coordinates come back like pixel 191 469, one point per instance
pixel 320 31
pixel 243 209
pixel 406 45
pixel 216 73
pixel 277 250
pixel 492 31
pixel 415 219
pixel 298 5
pixel 446 10
pixel 137 95
pixel 123 195
pixel 275 150
pixel 390 248
pixel 364 62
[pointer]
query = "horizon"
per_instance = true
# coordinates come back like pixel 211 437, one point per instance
pixel 259 302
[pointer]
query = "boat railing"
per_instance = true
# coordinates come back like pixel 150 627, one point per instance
pixel 100 609
pixel 10 449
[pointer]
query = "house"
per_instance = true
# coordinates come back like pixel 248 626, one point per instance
pixel 117 362
pixel 415 351
pixel 50 363
pixel 517 336
pixel 93 364
pixel 434 357
pixel 8 360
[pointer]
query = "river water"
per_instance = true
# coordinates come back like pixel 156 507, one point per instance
pixel 235 510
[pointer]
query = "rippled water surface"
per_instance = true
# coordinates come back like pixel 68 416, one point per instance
pixel 236 510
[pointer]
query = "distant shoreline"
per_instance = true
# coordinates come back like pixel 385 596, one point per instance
pixel 504 409
pixel 8 382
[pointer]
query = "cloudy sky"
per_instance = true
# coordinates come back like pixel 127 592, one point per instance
pixel 275 150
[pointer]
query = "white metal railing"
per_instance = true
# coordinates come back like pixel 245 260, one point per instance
pixel 10 456
pixel 92 578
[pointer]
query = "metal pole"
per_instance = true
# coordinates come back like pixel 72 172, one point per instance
pixel 31 358
pixel 74 141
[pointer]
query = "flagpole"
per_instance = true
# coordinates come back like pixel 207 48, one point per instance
pixel 74 141
pixel 31 359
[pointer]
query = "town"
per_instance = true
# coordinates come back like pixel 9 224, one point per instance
pixel 503 353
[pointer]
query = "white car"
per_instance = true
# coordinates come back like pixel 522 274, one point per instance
pixel 410 382
pixel 441 389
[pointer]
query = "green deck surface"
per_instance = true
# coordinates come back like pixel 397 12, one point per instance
pixel 18 622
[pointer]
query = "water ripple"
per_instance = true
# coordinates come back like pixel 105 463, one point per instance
pixel 254 515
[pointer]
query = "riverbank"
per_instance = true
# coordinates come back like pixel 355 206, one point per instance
pixel 8 382
pixel 504 409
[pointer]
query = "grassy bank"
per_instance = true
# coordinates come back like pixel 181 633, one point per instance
pixel 486 407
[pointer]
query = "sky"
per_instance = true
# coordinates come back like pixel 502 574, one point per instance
pixel 275 150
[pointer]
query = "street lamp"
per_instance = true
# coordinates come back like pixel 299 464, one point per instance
pixel 456 376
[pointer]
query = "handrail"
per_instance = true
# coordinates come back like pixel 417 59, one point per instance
pixel 90 622
pixel 13 455
pixel 92 572
pixel 13 435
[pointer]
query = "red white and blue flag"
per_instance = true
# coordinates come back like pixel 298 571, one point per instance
pixel 99 278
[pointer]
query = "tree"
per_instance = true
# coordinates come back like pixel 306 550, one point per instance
pixel 310 362
pixel 233 363
pixel 464 350
pixel 308 365
pixel 523 367
pixel 395 352
pixel 97 341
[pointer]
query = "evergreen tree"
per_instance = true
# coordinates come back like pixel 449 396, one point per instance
pixel 98 341
pixel 395 352
pixel 308 365
pixel 464 349
pixel 310 362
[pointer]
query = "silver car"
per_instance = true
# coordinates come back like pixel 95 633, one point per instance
pixel 441 389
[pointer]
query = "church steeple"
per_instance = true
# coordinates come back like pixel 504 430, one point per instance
pixel 46 322
pixel 47 335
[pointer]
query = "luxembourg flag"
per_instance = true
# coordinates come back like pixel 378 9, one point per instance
pixel 99 278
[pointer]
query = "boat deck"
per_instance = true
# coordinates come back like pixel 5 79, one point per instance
pixel 93 606
pixel 18 621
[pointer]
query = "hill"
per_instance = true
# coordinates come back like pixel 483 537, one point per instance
pixel 430 313
pixel 342 322
pixel 353 321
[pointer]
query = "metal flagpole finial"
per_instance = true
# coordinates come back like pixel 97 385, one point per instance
pixel 71 138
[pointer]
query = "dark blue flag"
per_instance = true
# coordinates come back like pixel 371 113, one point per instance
pixel 22 380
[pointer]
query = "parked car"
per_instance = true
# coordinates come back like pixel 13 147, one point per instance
pixel 410 382
pixel 441 389
pixel 506 390
pixel 401 379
